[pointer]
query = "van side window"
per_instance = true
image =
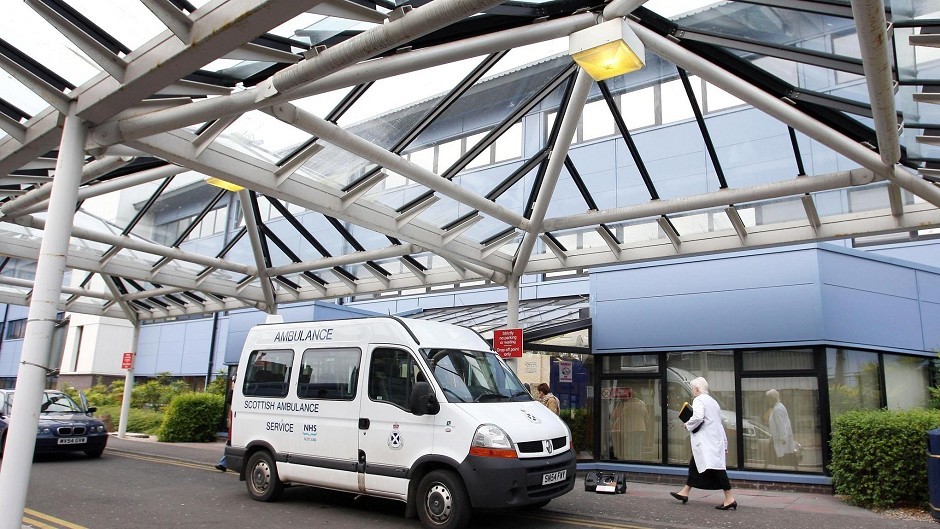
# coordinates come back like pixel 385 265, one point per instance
pixel 329 374
pixel 267 373
pixel 391 376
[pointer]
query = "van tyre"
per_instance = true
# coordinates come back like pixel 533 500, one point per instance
pixel 442 501
pixel 261 477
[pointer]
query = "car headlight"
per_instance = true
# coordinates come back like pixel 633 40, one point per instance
pixel 492 441
pixel 45 431
pixel 101 428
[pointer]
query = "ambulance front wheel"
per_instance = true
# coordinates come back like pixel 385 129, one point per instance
pixel 442 501
pixel 262 480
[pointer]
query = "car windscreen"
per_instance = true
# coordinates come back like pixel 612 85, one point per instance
pixel 474 376
pixel 59 403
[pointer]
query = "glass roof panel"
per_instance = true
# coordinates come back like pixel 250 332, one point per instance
pixel 132 26
pixel 771 25
pixel 27 31
pixel 317 31
pixel 410 96
pixel 335 166
pixel 395 191
pixel 322 104
pixel 262 136
pixel 16 94
pixel 489 101
pixel 701 222
pixel 566 197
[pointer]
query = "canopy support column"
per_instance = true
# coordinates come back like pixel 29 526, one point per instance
pixel 40 325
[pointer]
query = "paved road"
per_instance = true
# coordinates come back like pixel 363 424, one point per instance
pixel 154 485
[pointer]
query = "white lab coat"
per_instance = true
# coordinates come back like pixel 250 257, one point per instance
pixel 780 430
pixel 710 443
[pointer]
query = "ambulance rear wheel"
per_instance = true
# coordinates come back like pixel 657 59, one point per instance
pixel 442 501
pixel 261 477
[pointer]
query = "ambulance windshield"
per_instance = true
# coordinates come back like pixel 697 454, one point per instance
pixel 474 376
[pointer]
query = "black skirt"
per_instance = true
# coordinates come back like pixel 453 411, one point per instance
pixel 711 479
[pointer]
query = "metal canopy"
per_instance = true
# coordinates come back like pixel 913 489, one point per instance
pixel 390 146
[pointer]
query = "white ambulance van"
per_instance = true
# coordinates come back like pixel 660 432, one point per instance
pixel 418 411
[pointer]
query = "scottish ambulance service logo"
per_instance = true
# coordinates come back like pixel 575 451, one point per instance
pixel 395 440
pixel 532 418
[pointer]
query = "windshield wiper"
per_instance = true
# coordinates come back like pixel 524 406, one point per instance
pixel 519 394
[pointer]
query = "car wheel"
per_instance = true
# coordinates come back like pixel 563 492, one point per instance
pixel 261 473
pixel 443 501
pixel 94 454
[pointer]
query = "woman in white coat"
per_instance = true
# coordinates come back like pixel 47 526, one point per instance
pixel 707 468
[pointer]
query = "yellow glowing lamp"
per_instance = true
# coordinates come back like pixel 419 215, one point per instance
pixel 607 50
pixel 228 186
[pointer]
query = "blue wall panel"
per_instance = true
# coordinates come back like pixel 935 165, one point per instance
pixel 801 295
pixel 708 319
pixel 930 312
pixel 869 319
pixel 851 271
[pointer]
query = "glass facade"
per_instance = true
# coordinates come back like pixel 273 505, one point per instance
pixel 777 404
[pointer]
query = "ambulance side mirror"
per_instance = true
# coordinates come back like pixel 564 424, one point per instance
pixel 423 401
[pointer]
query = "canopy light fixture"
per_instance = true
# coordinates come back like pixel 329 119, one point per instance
pixel 607 50
pixel 228 186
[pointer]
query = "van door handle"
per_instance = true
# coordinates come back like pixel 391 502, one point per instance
pixel 363 423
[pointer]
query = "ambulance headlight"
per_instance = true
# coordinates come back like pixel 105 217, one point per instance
pixel 492 441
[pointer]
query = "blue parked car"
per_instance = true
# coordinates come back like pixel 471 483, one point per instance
pixel 64 425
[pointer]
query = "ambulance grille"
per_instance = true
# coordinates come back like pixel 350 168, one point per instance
pixel 537 447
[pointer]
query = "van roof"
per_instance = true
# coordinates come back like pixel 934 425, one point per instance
pixel 423 333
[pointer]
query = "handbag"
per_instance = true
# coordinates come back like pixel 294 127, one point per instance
pixel 685 413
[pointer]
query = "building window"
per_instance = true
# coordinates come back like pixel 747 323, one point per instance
pixel 718 369
pixel 16 329
pixel 781 423
pixel 853 380
pixel 906 381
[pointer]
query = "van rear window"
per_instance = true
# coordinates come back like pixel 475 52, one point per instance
pixel 267 373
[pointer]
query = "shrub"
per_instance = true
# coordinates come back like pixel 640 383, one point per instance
pixel 138 420
pixel 878 456
pixel 156 394
pixel 578 421
pixel 192 417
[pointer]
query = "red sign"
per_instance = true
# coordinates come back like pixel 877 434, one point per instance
pixel 508 343
pixel 128 361
pixel 617 393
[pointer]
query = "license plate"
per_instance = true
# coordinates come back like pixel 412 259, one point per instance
pixel 73 440
pixel 554 477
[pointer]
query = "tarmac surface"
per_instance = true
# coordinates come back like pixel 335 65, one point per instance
pixel 645 503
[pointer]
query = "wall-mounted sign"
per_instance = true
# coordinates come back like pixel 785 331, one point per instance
pixel 508 343
pixel 564 371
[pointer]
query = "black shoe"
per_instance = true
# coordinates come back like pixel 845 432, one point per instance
pixel 679 497
pixel 732 505
pixel 221 467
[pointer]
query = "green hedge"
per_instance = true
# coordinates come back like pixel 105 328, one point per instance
pixel 192 417
pixel 879 456
pixel 579 422
pixel 138 421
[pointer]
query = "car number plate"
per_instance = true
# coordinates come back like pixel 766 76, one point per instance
pixel 554 477
pixel 73 440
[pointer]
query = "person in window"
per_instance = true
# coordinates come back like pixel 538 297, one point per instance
pixel 548 399
pixel 782 449
pixel 707 468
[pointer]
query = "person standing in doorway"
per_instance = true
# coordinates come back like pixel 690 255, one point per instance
pixel 707 468
pixel 548 399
